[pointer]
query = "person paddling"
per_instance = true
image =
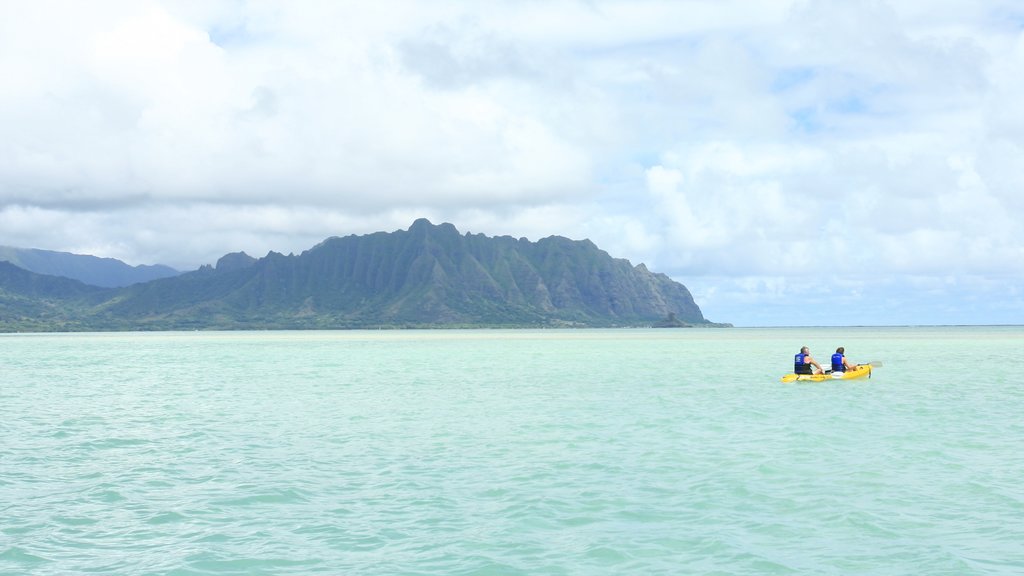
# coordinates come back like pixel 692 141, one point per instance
pixel 802 362
pixel 839 361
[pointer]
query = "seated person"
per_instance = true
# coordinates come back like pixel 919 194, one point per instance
pixel 839 361
pixel 802 362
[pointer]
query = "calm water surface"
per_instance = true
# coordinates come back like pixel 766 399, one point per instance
pixel 511 452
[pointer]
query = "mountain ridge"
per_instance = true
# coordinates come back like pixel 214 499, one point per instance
pixel 426 276
pixel 94 270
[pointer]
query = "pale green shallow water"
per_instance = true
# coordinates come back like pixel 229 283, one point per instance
pixel 511 452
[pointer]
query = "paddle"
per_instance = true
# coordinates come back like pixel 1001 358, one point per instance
pixel 873 364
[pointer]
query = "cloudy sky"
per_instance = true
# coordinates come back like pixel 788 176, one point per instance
pixel 814 162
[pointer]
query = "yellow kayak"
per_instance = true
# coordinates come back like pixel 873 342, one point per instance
pixel 862 371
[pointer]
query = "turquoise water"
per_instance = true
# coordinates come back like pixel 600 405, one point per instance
pixel 511 452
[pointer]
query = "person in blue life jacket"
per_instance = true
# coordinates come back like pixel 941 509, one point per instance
pixel 803 362
pixel 839 361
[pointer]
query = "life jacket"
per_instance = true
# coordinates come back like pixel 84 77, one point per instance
pixel 801 365
pixel 837 363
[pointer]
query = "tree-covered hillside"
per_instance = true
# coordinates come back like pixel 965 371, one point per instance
pixel 426 276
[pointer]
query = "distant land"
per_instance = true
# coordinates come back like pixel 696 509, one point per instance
pixel 429 276
pixel 105 272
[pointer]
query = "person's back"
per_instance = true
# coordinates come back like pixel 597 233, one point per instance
pixel 837 362
pixel 802 362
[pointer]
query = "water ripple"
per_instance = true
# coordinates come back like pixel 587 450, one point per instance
pixel 589 452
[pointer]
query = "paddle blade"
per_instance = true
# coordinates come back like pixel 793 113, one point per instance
pixel 874 364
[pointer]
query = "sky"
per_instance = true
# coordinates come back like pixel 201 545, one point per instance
pixel 794 163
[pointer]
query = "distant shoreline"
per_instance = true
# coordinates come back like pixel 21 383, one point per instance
pixel 894 326
pixel 499 328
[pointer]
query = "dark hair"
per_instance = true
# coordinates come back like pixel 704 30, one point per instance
pixel 841 350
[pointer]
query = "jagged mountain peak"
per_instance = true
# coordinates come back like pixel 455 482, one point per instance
pixel 235 261
pixel 426 276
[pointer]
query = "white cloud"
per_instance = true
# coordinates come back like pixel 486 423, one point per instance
pixel 819 150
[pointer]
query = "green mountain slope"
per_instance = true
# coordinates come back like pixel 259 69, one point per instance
pixel 35 302
pixel 426 276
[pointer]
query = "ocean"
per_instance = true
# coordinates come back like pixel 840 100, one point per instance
pixel 475 452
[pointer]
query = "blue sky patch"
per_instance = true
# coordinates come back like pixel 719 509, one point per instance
pixel 791 78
